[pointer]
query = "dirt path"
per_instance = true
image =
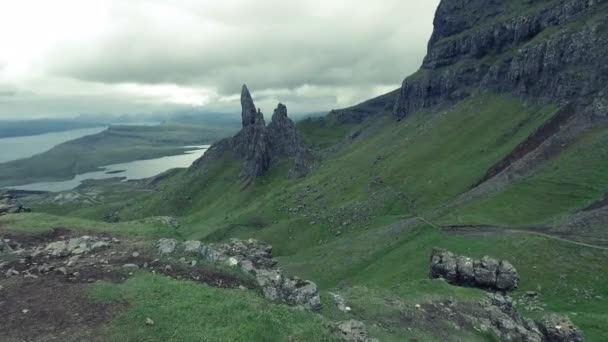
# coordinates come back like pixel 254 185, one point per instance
pixel 492 230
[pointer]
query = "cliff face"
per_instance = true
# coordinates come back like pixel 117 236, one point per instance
pixel 554 51
pixel 258 146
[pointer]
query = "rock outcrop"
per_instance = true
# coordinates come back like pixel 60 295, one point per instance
pixel 353 331
pixel 253 257
pixel 258 146
pixel 486 273
pixel 552 51
pixel 500 316
pixel 10 205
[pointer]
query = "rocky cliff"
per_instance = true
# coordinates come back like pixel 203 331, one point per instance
pixel 547 50
pixel 258 146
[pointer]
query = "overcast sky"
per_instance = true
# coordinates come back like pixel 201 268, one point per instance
pixel 70 57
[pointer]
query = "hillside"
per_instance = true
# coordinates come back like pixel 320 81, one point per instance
pixel 117 144
pixel 496 146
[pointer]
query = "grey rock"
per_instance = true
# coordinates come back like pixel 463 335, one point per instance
pixel 10 205
pixel 568 65
pixel 340 302
pixel 558 328
pixel 258 146
pixel 353 331
pixel 5 247
pixel 193 247
pixel 487 273
pixel 166 246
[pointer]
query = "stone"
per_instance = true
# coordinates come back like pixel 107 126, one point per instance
pixel 149 321
pixel 232 262
pixel 10 205
pixel 58 248
pixel 166 246
pixel 4 247
pixel 353 331
pixel 62 271
pixel 193 247
pixel 487 273
pixel 558 328
pixel 340 302
pixel 135 254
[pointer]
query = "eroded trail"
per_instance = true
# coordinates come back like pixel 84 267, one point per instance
pixel 494 230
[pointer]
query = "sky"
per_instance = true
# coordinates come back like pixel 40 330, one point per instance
pixel 65 58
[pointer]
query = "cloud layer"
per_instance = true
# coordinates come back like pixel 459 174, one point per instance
pixel 136 56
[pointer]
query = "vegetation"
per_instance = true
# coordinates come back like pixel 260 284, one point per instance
pixel 116 145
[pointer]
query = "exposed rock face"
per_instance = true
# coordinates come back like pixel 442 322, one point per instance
pixel 504 320
pixel 542 53
pixel 259 146
pixel 9 205
pixel 500 316
pixel 487 273
pixel 255 258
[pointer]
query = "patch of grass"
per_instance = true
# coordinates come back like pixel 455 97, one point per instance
pixel 185 311
pixel 40 223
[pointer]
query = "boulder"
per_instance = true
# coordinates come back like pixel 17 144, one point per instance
pixel 486 273
pixel 353 331
pixel 5 247
pixel 193 247
pixel 558 328
pixel 76 246
pixel 10 205
pixel 166 246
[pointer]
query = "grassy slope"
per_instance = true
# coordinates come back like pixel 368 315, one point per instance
pixel 115 145
pixel 185 311
pixel 352 231
pixel 572 181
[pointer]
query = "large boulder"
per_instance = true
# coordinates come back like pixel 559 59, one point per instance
pixel 353 331
pixel 10 205
pixel 486 273
pixel 558 328
pixel 166 246
pixel 76 246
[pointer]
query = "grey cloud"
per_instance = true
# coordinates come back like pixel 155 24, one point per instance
pixel 312 55
pixel 269 44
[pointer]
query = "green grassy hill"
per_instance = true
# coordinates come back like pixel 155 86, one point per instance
pixel 366 219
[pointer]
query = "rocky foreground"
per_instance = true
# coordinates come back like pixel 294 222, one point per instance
pixel 40 263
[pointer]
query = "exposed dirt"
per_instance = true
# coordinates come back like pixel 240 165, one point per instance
pixel 48 309
pixel 46 300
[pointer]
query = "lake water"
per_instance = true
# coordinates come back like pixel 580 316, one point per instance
pixel 138 169
pixel 25 147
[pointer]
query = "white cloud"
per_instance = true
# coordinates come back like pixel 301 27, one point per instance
pixel 155 54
